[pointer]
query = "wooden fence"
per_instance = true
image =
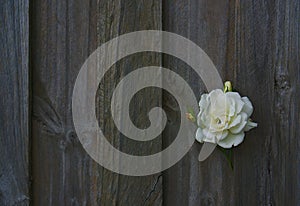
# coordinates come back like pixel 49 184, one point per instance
pixel 255 44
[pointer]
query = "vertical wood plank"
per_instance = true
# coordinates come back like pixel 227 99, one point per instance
pixel 266 64
pixel 14 103
pixel 256 46
pixel 64 34
pixel 191 182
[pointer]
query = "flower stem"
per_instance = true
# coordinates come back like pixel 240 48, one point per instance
pixel 228 155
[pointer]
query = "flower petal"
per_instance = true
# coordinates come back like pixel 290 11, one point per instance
pixel 239 127
pixel 204 105
pixel 248 108
pixel 214 94
pixel 218 101
pixel 237 99
pixel 250 125
pixel 235 121
pixel 199 135
pixel 209 136
pixel 222 135
pixel 232 140
pixel 231 107
pixel 203 101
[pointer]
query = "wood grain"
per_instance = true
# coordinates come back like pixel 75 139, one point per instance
pixel 65 33
pixel 14 103
pixel 256 46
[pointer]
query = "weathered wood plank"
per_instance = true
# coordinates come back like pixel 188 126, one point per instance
pixel 256 46
pixel 190 182
pixel 14 103
pixel 64 34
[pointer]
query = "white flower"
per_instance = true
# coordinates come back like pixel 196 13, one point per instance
pixel 223 118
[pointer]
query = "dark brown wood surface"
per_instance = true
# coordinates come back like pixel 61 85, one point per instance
pixel 14 103
pixel 64 35
pixel 255 44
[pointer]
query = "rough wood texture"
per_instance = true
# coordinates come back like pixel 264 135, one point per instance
pixel 14 103
pixel 256 46
pixel 64 34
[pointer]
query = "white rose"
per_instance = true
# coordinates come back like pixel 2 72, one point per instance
pixel 223 118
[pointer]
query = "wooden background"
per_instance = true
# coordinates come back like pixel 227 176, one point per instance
pixel 255 44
